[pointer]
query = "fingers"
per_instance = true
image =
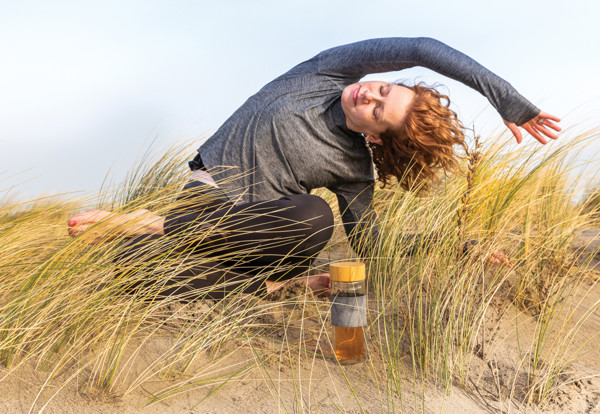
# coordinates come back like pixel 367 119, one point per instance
pixel 534 132
pixel 546 115
pixel 542 128
pixel 504 260
pixel 539 127
pixel 540 124
pixel 548 123
pixel 515 131
pixel 498 257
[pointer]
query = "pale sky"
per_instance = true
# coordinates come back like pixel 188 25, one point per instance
pixel 85 86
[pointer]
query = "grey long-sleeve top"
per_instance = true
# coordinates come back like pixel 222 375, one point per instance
pixel 291 136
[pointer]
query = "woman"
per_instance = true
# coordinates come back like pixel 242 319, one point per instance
pixel 317 126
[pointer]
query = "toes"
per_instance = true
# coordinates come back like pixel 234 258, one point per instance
pixel 80 223
pixel 90 216
pixel 75 232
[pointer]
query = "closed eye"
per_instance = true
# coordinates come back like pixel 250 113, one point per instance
pixel 378 105
pixel 383 91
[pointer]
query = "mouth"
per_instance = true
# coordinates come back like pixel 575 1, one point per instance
pixel 355 95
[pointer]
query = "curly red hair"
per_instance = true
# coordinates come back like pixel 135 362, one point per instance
pixel 423 145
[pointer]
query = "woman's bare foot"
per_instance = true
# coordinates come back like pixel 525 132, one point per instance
pixel 82 221
pixel 319 284
pixel 117 224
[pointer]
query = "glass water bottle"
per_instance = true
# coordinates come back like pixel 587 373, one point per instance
pixel 348 310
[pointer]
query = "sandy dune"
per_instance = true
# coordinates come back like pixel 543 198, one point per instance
pixel 297 372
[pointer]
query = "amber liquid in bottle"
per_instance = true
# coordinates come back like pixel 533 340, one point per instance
pixel 349 344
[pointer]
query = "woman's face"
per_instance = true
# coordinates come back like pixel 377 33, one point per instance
pixel 372 108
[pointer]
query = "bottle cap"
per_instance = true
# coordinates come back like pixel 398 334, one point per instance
pixel 347 271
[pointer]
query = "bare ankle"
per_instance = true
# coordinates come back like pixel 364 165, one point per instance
pixel 146 223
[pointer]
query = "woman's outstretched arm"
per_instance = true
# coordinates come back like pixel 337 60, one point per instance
pixel 355 60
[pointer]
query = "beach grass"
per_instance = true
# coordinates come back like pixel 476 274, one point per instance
pixel 75 311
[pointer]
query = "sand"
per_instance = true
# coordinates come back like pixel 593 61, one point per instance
pixel 305 377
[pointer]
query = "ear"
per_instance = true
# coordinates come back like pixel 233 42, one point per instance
pixel 373 140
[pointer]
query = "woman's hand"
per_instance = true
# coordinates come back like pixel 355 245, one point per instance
pixel 498 258
pixel 536 127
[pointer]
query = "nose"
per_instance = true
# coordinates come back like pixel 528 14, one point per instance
pixel 369 97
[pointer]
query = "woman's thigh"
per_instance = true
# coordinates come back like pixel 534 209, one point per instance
pixel 276 239
pixel 167 272
pixel 287 230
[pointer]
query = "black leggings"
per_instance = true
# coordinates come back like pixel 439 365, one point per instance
pixel 222 247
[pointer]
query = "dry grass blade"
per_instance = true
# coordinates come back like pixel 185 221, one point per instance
pixel 80 312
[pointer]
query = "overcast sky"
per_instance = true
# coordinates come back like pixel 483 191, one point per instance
pixel 85 86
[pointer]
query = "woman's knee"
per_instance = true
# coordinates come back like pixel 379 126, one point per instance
pixel 311 209
pixel 315 212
